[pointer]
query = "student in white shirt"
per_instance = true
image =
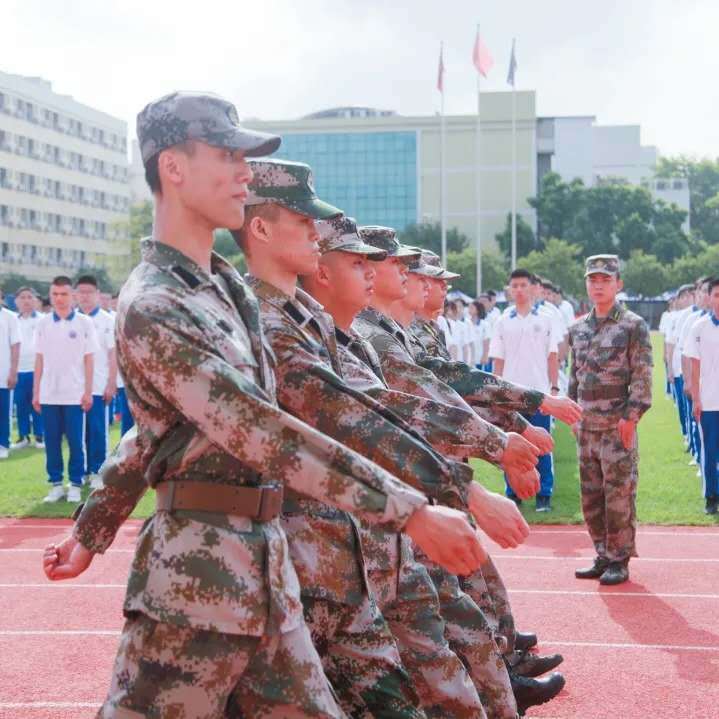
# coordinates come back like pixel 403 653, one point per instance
pixel 446 324
pixel 65 344
pixel 29 422
pixel 524 350
pixel 703 349
pixel 478 325
pixel 665 322
pixel 104 382
pixel 9 357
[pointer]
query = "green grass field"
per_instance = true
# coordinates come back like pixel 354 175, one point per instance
pixel 669 490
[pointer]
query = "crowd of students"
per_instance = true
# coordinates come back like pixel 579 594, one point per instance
pixel 525 343
pixel 58 372
pixel 690 328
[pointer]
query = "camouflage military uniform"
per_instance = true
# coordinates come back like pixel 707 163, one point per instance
pixel 183 340
pixel 611 378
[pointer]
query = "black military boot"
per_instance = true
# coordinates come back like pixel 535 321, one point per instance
pixel 524 641
pixel 711 505
pixel 593 572
pixel 615 573
pixel 530 692
pixel 534 665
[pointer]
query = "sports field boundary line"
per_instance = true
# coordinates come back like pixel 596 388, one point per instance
pixel 630 645
pixel 50 705
pixel 584 558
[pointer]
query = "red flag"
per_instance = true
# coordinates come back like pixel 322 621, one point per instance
pixel 440 71
pixel 481 56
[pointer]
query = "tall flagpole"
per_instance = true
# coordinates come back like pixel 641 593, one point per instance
pixel 442 175
pixel 478 157
pixel 514 178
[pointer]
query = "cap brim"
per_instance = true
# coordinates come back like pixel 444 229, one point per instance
pixel 599 272
pixel 371 253
pixel 447 275
pixel 425 271
pixel 253 143
pixel 316 209
pixel 406 253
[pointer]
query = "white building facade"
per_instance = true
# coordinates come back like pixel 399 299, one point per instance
pixel 64 192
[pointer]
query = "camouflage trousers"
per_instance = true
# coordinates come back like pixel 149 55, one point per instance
pixel 409 602
pixel 361 659
pixel 166 671
pixel 471 637
pixel 486 588
pixel 608 474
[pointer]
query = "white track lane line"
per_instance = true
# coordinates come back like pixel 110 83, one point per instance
pixel 629 645
pixel 584 558
pixel 50 705
pixel 42 549
pixel 60 585
pixel 667 595
pixel 59 632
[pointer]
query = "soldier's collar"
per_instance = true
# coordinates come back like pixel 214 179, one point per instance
pixel 177 263
pixel 342 337
pixel 614 314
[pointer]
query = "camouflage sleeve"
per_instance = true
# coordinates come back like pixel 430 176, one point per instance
pixel 109 506
pixel 573 387
pixel 403 374
pixel 308 389
pixel 483 388
pixel 186 376
pixel 640 372
pixel 506 420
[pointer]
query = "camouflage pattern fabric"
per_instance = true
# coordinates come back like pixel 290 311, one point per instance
pixel 385 238
pixel 611 371
pixel 430 335
pixel 402 373
pixel 289 184
pixel 608 474
pixel 166 670
pixel 182 116
pixel 196 366
pixel 361 659
pixel 339 234
pixel 602 264
pixel 611 378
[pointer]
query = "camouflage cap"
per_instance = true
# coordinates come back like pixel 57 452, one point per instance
pixel 288 184
pixel 340 234
pixel 602 264
pixel 418 266
pixel 432 259
pixel 385 238
pixel 183 116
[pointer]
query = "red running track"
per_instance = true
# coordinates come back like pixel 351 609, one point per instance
pixel 648 648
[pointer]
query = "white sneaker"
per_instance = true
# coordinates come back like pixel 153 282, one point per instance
pixel 692 462
pixel 39 444
pixel 95 481
pixel 4 453
pixel 20 445
pixel 74 494
pixel 56 493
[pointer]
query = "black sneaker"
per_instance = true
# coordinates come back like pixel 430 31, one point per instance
pixel 543 504
pixel 711 505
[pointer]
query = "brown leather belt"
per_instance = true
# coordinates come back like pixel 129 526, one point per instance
pixel 610 391
pixel 261 503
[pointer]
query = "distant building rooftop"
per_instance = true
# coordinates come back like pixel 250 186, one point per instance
pixel 340 112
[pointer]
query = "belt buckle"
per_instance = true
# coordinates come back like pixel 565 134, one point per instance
pixel 270 502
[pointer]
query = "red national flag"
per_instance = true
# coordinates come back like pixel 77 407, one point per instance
pixel 440 71
pixel 481 56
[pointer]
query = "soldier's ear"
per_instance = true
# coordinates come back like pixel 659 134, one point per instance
pixel 170 167
pixel 259 229
pixel 620 284
pixel 322 275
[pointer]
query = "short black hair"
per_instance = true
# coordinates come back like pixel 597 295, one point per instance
pixel 491 294
pixel 522 274
pixel 713 282
pixel 61 281
pixel 25 288
pixel 152 174
pixel 86 280
pixel 481 312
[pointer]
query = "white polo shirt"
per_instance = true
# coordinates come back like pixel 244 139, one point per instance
pixel 703 344
pixel 565 307
pixel 558 321
pixel 63 345
pixel 105 335
pixel 525 343
pixel 665 322
pixel 478 334
pixel 674 337
pixel 27 341
pixel 9 336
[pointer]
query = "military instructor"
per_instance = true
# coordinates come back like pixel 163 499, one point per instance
pixel 611 379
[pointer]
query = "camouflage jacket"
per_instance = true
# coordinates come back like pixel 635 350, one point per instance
pixel 310 384
pixel 496 400
pixel 200 384
pixel 402 372
pixel 611 370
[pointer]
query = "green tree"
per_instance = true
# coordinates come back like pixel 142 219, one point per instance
pixel 526 241
pixel 703 176
pixel 494 270
pixel 691 267
pixel 104 282
pixel 13 280
pixel 137 226
pixel 557 204
pixel 670 240
pixel 429 236
pixel 225 244
pixel 645 275
pixel 558 262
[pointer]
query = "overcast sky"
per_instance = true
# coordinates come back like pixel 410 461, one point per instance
pixel 648 62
